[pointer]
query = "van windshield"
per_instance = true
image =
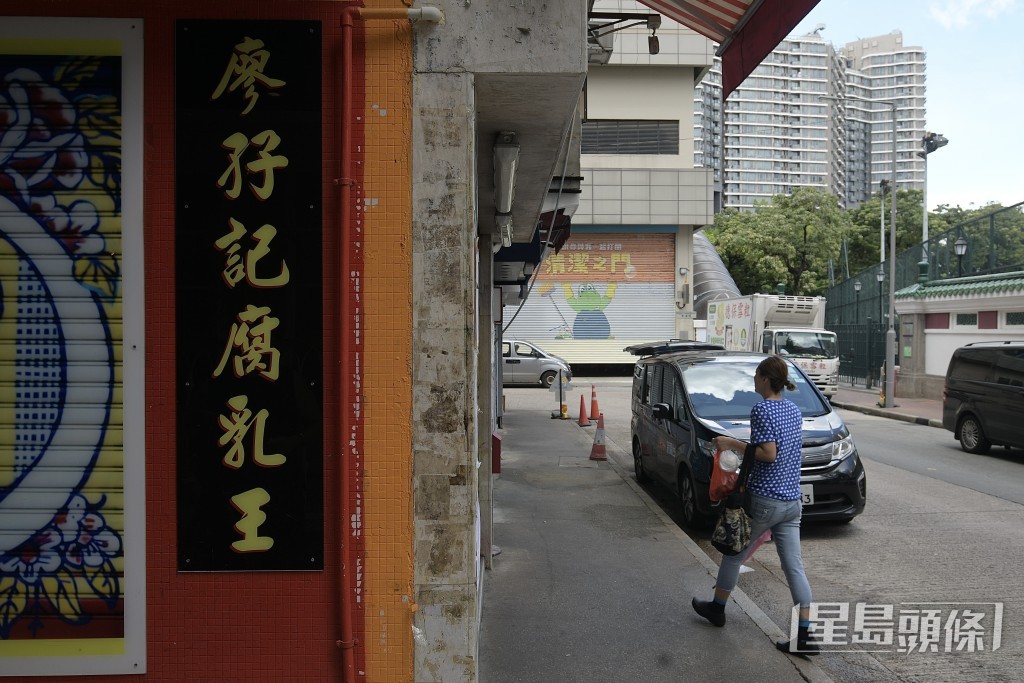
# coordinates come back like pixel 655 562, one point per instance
pixel 725 390
pixel 801 344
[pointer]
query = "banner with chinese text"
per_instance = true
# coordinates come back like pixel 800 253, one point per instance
pixel 249 302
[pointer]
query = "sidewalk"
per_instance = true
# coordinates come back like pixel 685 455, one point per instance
pixel 918 410
pixel 593 582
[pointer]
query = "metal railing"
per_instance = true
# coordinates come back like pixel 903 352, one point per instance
pixel 994 244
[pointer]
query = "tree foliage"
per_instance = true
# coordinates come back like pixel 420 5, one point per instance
pixel 791 240
pixel 863 246
pixel 804 239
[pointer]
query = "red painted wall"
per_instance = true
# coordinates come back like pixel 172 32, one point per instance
pixel 268 626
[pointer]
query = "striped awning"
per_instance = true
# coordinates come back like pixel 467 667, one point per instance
pixel 745 30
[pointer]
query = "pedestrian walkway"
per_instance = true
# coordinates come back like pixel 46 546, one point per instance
pixel 593 581
pixel 918 410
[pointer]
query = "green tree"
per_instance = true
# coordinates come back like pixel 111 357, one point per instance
pixel 789 240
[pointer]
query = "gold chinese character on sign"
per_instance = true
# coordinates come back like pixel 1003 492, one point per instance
pixel 238 268
pixel 263 166
pixel 249 504
pixel 250 337
pixel 236 427
pixel 245 68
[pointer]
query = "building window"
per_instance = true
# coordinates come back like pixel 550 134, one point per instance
pixel 630 137
pixel 1014 318
pixel 966 319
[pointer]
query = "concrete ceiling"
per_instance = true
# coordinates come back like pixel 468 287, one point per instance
pixel 538 107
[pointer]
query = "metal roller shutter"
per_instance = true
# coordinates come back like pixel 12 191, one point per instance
pixel 602 292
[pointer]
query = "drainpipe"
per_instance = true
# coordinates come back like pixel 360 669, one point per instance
pixel 346 182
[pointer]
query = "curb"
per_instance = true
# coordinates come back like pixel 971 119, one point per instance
pixel 808 670
pixel 879 412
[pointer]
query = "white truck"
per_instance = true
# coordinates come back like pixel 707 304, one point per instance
pixel 790 326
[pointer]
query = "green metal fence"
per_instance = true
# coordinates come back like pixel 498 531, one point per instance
pixel 993 243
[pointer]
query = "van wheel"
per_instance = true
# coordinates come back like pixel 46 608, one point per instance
pixel 692 517
pixel 548 378
pixel 972 436
pixel 638 464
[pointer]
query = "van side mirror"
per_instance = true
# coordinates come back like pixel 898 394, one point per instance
pixel 661 411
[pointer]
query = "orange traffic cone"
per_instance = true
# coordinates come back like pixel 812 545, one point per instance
pixel 584 421
pixel 598 452
pixel 593 402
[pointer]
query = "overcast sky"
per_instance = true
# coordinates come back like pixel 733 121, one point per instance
pixel 975 85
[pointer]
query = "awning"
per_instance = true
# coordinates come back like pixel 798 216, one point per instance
pixel 745 30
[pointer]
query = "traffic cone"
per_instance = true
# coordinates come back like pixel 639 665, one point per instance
pixel 593 402
pixel 597 452
pixel 584 421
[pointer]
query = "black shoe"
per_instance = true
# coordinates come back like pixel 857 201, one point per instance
pixel 805 644
pixel 710 610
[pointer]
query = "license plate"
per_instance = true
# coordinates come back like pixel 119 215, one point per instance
pixel 806 494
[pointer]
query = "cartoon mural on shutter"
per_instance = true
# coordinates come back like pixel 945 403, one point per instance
pixel 602 286
pixel 62 453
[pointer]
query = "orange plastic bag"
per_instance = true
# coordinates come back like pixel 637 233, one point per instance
pixel 723 482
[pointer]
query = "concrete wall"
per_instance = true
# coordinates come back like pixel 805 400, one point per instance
pixel 924 353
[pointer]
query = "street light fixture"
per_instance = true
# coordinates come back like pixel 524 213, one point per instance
pixel 960 247
pixel 929 143
pixel 880 277
pixel 856 310
pixel 890 333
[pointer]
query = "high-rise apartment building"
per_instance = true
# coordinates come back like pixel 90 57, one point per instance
pixel 812 115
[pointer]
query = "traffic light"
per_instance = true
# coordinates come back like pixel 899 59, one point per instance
pixel 932 141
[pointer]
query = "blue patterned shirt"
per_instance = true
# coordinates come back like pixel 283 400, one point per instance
pixel 781 422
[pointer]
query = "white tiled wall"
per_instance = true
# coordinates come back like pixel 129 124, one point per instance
pixel 680 196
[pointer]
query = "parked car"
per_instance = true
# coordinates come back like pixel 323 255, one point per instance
pixel 683 399
pixel 525 363
pixel 983 399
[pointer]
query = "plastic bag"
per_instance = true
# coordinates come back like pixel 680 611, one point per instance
pixel 723 479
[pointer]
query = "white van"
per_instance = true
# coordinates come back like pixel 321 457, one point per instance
pixel 524 363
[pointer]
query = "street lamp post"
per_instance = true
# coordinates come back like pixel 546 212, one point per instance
pixel 856 317
pixel 880 278
pixel 890 334
pixel 929 143
pixel 856 309
pixel 883 185
pixel 960 247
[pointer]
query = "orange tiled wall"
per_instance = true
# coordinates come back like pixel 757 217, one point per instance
pixel 387 278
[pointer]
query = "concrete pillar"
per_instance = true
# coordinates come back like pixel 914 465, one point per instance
pixel 446 347
pixel 486 391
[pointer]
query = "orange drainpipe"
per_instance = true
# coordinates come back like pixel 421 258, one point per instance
pixel 349 14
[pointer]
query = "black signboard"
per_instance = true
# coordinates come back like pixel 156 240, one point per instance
pixel 248 151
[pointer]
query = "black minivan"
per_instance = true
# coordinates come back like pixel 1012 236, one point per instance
pixel 983 400
pixel 683 399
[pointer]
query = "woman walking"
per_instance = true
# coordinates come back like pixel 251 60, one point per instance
pixel 774 484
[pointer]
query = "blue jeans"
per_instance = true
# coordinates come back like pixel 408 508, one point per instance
pixel 783 518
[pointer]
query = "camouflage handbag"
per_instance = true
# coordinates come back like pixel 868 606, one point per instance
pixel 732 532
